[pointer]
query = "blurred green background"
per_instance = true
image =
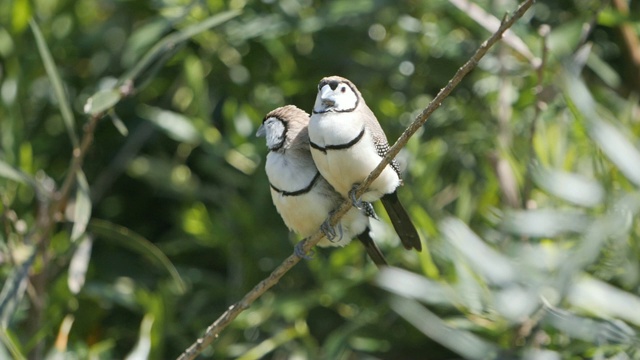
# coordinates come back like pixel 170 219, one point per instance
pixel 524 184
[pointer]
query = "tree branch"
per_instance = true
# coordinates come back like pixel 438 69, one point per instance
pixel 234 310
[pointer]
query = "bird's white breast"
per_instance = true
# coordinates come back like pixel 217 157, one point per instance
pixel 305 213
pixel 345 167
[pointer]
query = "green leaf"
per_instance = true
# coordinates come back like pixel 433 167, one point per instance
pixel 414 286
pixel 118 123
pixel 143 346
pixel 175 125
pixel 544 222
pixel 12 345
pixel 20 15
pixel 618 148
pixel 171 41
pixel 590 330
pixel 14 288
pixel 9 172
pixel 461 342
pixel 574 188
pixel 139 244
pixel 82 209
pixel 102 100
pixel 598 297
pixel 494 266
pixel 612 141
pixel 56 82
pixel 79 265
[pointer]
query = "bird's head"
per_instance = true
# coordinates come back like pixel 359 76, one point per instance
pixel 336 94
pixel 282 126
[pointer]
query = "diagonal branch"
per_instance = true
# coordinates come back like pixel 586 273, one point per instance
pixel 234 310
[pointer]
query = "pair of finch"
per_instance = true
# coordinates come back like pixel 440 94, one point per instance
pixel 315 162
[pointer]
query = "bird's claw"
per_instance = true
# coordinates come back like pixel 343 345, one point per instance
pixel 354 199
pixel 299 251
pixel 330 231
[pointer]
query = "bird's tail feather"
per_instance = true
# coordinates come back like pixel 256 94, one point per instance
pixel 372 249
pixel 401 222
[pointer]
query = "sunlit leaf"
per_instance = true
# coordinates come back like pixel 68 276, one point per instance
pixel 21 13
pixel 9 172
pixel 598 297
pixel 82 207
pixel 102 100
pixel 613 143
pixel 79 265
pixel 56 82
pixel 175 125
pixel 171 41
pixel 11 345
pixel 410 285
pixel 139 244
pixel 618 148
pixel 590 330
pixel 564 39
pixel 14 288
pixel 494 266
pixel 461 342
pixel 118 123
pixel 604 70
pixel 544 222
pixel 143 346
pixel 282 337
pixel 574 188
pixel 62 340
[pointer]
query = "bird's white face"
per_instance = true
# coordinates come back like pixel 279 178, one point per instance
pixel 274 130
pixel 335 96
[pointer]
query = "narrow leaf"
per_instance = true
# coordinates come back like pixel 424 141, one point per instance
pixel 410 285
pixel 590 330
pixel 56 82
pixel 82 208
pixel 118 123
pixel 171 41
pixel 13 290
pixel 612 141
pixel 102 100
pixel 618 148
pixel 571 187
pixel 461 342
pixel 138 244
pixel 11 345
pixel 495 267
pixel 9 172
pixel 79 265
pixel 176 126
pixel 544 222
pixel 598 297
pixel 143 346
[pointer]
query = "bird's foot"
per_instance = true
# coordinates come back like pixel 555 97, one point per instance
pixel 299 251
pixel 368 210
pixel 354 199
pixel 330 231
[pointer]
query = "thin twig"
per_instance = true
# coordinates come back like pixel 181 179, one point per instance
pixel 228 316
pixel 77 160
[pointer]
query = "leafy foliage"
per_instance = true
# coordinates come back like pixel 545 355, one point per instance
pixel 524 185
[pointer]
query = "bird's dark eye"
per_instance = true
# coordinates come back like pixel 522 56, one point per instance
pixel 343 89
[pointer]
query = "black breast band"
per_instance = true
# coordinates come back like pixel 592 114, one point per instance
pixel 298 192
pixel 339 146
